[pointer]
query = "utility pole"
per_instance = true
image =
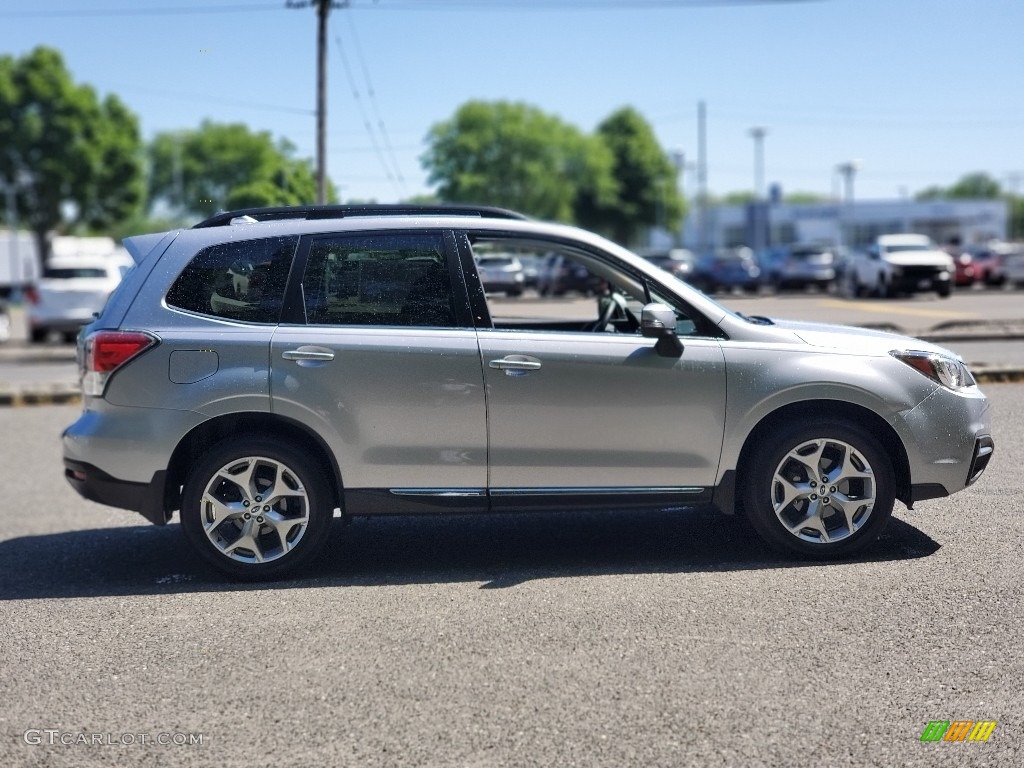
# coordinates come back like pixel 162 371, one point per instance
pixel 323 9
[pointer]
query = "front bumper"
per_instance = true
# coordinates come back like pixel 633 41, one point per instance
pixel 948 438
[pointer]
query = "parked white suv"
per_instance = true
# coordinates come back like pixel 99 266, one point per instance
pixel 71 291
pixel 904 263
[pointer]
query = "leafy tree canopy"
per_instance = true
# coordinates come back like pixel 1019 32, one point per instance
pixel 648 193
pixel 973 186
pixel 222 166
pixel 516 156
pixel 76 158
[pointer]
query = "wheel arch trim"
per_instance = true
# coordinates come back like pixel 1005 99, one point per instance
pixel 199 439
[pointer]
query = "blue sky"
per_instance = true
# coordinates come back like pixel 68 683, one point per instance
pixel 920 91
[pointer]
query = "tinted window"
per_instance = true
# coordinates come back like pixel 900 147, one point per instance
pixel 379 280
pixel 237 281
pixel 68 273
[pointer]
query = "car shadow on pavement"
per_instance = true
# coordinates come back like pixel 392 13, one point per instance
pixel 497 551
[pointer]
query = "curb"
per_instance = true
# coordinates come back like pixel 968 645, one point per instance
pixel 57 394
pixel 62 394
pixel 991 375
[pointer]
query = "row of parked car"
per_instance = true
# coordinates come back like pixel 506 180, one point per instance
pixel 893 264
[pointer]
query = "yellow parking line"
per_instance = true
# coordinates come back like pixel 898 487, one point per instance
pixel 888 309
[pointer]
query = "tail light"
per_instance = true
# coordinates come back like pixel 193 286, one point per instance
pixel 31 295
pixel 106 352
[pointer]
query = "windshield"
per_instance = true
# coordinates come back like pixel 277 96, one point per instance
pixel 902 248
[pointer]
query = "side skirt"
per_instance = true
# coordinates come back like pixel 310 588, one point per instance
pixel 413 501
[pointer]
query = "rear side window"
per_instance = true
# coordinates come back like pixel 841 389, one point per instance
pixel 379 280
pixel 237 281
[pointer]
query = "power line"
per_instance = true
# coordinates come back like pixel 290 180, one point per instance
pixel 404 5
pixel 567 5
pixel 137 11
pixel 373 103
pixel 366 119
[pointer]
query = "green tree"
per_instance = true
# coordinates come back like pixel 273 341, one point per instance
pixel 648 193
pixel 223 166
pixel 933 192
pixel 742 197
pixel 975 186
pixel 804 198
pixel 516 156
pixel 1016 218
pixel 77 159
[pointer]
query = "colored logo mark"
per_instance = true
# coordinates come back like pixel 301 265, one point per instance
pixel 204 200
pixel 206 50
pixel 958 730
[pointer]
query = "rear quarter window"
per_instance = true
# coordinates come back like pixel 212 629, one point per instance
pixel 236 281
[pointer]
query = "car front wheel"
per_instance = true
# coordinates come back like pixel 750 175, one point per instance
pixel 822 490
pixel 256 508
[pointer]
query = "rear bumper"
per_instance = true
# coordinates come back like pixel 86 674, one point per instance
pixel 96 485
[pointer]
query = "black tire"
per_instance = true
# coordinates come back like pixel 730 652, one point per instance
pixel 764 487
pixel 39 335
pixel 297 468
pixel 944 290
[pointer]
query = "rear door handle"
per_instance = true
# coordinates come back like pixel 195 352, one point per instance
pixel 515 363
pixel 307 354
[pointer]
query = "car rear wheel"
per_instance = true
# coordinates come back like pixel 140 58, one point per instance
pixel 256 508
pixel 822 490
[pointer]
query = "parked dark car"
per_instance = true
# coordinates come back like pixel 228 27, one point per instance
pixel 727 269
pixel 558 276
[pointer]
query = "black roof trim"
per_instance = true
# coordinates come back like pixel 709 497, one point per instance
pixel 342 211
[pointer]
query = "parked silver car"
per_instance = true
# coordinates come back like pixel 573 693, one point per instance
pixel 360 366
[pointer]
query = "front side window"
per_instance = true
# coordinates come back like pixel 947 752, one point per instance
pixel 379 280
pixel 236 281
pixel 577 291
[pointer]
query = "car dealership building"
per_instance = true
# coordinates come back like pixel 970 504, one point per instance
pixel 853 224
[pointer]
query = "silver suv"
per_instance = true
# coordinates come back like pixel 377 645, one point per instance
pixel 268 367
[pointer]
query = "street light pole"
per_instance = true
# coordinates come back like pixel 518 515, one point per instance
pixel 758 133
pixel 847 170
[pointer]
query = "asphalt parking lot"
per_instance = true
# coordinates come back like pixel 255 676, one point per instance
pixel 610 639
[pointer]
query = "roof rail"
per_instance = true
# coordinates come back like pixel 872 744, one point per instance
pixel 342 211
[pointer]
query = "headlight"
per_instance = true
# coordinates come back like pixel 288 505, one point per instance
pixel 948 371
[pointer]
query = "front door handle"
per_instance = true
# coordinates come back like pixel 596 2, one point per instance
pixel 515 363
pixel 307 354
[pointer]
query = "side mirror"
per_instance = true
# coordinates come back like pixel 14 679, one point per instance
pixel 657 320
